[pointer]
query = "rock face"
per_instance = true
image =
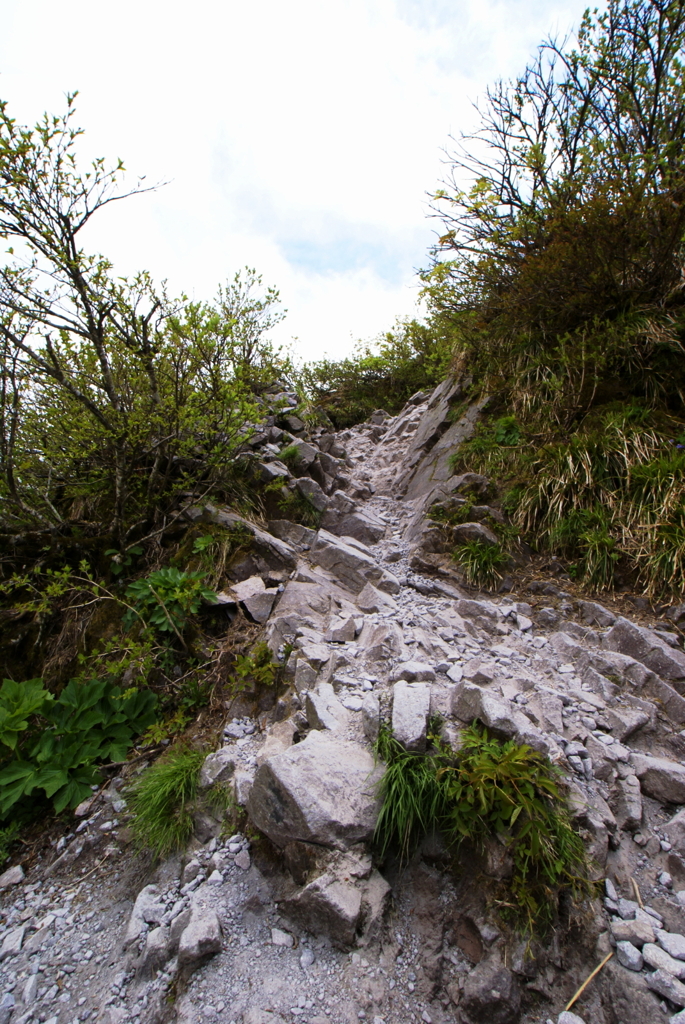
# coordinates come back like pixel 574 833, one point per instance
pixel 322 790
pixel 644 646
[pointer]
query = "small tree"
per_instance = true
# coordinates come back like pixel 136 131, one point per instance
pixel 575 214
pixel 112 397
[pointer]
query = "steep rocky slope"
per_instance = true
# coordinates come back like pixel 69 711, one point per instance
pixel 302 925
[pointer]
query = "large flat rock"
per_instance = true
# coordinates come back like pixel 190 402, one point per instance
pixel 351 563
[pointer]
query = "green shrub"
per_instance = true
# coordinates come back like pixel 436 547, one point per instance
pixel 166 598
pixel 163 799
pixel 54 745
pixel 258 668
pixel 487 790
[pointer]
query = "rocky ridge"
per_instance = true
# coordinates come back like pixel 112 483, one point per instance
pixel 305 927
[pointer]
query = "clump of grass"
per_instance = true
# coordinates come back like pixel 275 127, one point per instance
pixel 487 789
pixel 482 564
pixel 612 493
pixel 413 801
pixel 290 455
pixel 162 800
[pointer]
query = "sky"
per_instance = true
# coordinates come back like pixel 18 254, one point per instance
pixel 299 138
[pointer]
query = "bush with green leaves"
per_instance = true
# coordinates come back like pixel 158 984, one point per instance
pixel 53 745
pixel 412 357
pixel 165 599
pixel 487 790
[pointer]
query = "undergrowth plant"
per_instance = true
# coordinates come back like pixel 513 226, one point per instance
pixel 257 668
pixel 166 598
pixel 8 837
pixel 53 745
pixel 608 497
pixel 487 790
pixel 162 800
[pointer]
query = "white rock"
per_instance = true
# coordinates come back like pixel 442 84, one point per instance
pixel 13 876
pixel 630 956
pixel 410 709
pixel 657 957
pixel 281 938
pixel 11 944
pixel 672 942
pixel 200 939
pixel 666 985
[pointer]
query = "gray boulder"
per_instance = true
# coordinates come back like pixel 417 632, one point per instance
pixel 265 551
pixel 324 710
pixel 660 778
pixel 594 614
pixel 657 957
pixel 323 790
pixel 12 942
pixel 292 533
pixel 200 939
pixel 256 599
pixel 313 493
pixel 413 672
pixel 491 995
pixel 465 532
pixel 12 876
pixel 371 600
pixel 664 984
pixel 217 767
pixel 330 905
pixel 147 909
pixel 347 902
pixel 270 471
pixel 371 716
pixel 351 563
pixel 469 702
pixel 644 646
pixel 344 519
pixel 410 709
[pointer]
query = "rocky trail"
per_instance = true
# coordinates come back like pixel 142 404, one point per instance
pixel 306 927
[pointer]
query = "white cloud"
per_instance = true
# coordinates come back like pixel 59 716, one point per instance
pixel 298 138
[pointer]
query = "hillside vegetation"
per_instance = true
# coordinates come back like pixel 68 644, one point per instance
pixel 557 289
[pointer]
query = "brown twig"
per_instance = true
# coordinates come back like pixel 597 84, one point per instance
pixel 637 893
pixel 587 981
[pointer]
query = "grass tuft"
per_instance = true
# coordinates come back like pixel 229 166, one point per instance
pixel 482 564
pixel 488 789
pixel 162 798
